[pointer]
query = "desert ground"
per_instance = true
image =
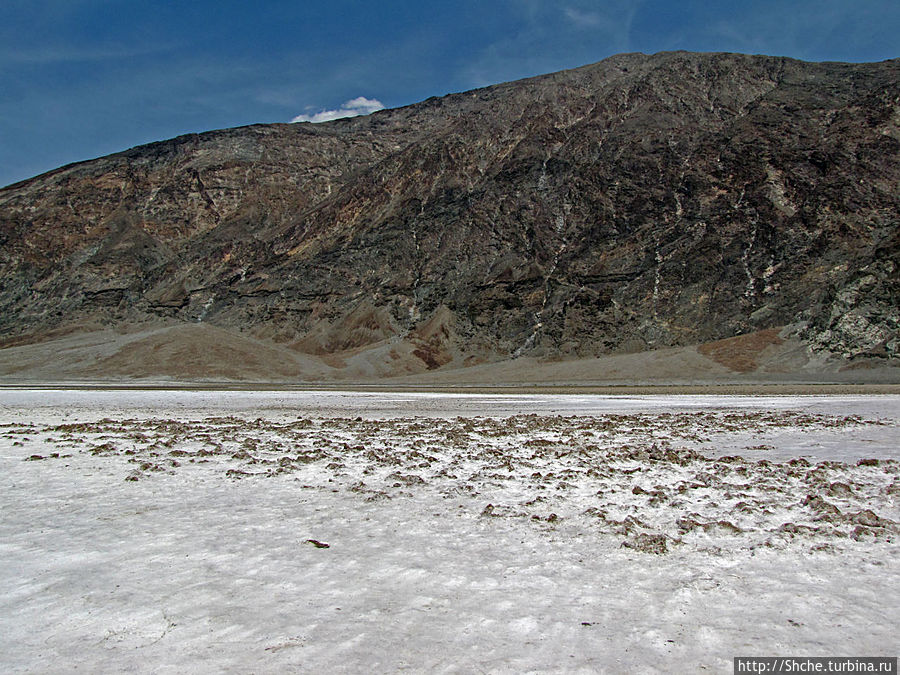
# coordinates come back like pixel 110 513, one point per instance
pixel 201 354
pixel 337 531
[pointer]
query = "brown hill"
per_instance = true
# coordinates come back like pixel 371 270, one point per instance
pixel 641 203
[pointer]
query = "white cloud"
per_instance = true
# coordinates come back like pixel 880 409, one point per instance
pixel 357 106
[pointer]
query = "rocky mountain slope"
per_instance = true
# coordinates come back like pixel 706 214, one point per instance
pixel 638 203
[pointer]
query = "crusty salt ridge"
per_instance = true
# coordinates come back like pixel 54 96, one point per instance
pixel 170 531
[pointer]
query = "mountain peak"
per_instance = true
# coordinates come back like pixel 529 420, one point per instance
pixel 641 202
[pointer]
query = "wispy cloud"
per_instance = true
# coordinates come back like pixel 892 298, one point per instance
pixel 583 19
pixel 546 35
pixel 353 108
pixel 62 54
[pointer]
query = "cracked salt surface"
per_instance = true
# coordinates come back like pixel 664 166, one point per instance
pixel 171 531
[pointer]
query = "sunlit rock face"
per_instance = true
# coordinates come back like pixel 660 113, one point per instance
pixel 637 203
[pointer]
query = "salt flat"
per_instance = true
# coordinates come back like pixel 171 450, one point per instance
pixel 164 531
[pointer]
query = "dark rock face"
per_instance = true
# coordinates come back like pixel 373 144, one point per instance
pixel 640 202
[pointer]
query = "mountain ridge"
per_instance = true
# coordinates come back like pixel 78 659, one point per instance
pixel 638 203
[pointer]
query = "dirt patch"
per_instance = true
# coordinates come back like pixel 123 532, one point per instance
pixel 429 358
pixel 202 351
pixel 37 338
pixel 741 353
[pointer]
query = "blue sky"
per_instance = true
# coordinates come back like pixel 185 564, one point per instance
pixel 84 78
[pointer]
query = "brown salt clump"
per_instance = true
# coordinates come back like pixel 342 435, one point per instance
pixel 869 518
pixel 826 510
pixel 647 543
pixel 838 489
pixel 726 526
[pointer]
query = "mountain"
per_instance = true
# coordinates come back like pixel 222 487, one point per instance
pixel 741 203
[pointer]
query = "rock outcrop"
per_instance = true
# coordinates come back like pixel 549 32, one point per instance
pixel 638 203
